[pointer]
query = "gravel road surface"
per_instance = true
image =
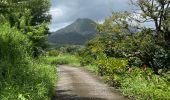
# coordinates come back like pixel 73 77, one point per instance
pixel 78 84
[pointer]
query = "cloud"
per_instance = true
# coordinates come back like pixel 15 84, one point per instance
pixel 67 11
pixel 56 12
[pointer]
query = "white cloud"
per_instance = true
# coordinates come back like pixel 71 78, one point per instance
pixel 56 12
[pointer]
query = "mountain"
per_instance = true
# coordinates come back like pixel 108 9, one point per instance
pixel 76 33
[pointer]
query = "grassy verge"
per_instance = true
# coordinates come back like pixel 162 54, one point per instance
pixel 34 81
pixel 64 59
pixel 136 84
pixel 145 87
pixel 22 77
pixel 92 68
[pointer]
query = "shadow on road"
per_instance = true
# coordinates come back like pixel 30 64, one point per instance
pixel 61 95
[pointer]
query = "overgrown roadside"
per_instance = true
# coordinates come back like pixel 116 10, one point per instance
pixel 135 83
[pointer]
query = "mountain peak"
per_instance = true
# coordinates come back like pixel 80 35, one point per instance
pixel 83 19
pixel 78 32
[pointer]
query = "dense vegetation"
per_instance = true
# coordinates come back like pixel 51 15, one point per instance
pixel 23 28
pixel 136 62
pixel 130 57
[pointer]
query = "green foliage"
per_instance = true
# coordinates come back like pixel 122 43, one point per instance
pixel 21 76
pixel 92 68
pixel 64 59
pixel 118 52
pixel 53 53
pixel 31 18
pixel 108 66
pixel 142 47
pixel 71 49
pixel 14 48
pixel 23 29
pixel 144 85
pixel 32 80
pixel 37 35
pixel 86 57
pixel 136 83
pixel 111 68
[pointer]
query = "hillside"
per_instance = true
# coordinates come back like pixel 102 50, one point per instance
pixel 76 33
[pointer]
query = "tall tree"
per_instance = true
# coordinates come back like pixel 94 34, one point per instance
pixel 157 11
pixel 31 17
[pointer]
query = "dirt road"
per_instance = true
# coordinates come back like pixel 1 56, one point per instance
pixel 77 84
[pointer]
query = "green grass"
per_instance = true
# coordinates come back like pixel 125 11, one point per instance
pixel 21 76
pixel 92 68
pixel 145 87
pixel 36 81
pixel 64 59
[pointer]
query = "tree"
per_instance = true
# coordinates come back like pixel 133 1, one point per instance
pixel 157 11
pixel 39 11
pixel 31 17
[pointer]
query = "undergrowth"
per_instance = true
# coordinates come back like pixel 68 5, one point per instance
pixel 63 59
pixel 22 77
pixel 134 83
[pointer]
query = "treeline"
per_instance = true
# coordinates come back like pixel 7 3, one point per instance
pixel 23 31
pixel 131 57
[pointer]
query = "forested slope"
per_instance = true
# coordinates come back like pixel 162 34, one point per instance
pixel 77 33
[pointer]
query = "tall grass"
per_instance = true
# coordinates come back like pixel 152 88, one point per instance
pixel 144 85
pixel 21 76
pixel 92 68
pixel 64 59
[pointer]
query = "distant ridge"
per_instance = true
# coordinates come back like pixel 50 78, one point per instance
pixel 76 33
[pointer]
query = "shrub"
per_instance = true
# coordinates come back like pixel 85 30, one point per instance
pixel 86 57
pixel 92 68
pixel 21 76
pixel 13 52
pixel 108 66
pixel 144 85
pixel 53 53
pixel 134 61
pixel 112 69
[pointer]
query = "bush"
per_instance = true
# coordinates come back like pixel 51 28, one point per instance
pixel 92 68
pixel 13 52
pixel 53 53
pixel 109 66
pixel 144 85
pixel 21 76
pixel 134 61
pixel 86 57
pixel 136 83
pixel 111 69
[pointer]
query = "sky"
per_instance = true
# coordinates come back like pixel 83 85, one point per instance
pixel 64 12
